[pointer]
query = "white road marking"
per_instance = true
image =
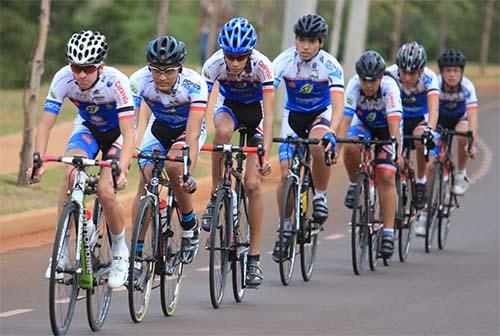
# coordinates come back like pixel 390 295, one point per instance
pixel 485 167
pixel 15 312
pixel 334 236
pixel 205 269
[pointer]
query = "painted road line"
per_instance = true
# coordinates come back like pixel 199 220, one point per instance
pixel 15 312
pixel 334 236
pixel 485 167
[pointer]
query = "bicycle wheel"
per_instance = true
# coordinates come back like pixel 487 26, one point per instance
pixel 376 228
pixel 288 236
pixel 99 297
pixel 310 231
pixel 239 255
pixel 142 263
pixel 405 230
pixel 170 282
pixel 359 224
pixel 433 205
pixel 447 199
pixel 220 240
pixel 63 283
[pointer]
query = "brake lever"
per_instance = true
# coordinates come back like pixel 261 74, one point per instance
pixel 115 172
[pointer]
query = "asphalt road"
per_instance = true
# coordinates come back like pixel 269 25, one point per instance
pixel 449 292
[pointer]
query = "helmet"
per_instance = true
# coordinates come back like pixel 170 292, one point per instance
pixel 451 57
pixel 86 47
pixel 311 25
pixel 370 65
pixel 166 50
pixel 237 36
pixel 411 57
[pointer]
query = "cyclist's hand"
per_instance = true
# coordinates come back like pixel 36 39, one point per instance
pixel 431 139
pixel 266 167
pixel 400 162
pixel 121 182
pixel 189 186
pixel 332 140
pixel 37 177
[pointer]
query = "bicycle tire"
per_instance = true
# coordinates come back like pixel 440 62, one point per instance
pixel 359 224
pixel 310 232
pixel 288 252
pixel 61 314
pixel 170 283
pixel 405 230
pixel 375 233
pixel 220 240
pixel 238 262
pixel 447 201
pixel 140 284
pixel 433 206
pixel 99 297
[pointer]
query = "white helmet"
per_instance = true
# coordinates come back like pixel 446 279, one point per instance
pixel 86 47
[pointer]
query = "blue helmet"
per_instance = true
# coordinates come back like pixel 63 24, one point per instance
pixel 237 36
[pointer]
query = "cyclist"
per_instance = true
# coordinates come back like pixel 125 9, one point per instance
pixel 457 108
pixel 314 82
pixel 245 96
pixel 373 109
pixel 104 123
pixel 176 99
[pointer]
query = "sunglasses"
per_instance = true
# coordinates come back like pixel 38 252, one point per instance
pixel 88 69
pixel 239 58
pixel 165 71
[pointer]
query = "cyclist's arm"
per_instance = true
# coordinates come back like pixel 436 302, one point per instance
pixel 394 131
pixel 127 131
pixel 143 114
pixel 193 130
pixel 472 117
pixel 268 102
pixel 212 99
pixel 433 108
pixel 45 127
pixel 337 98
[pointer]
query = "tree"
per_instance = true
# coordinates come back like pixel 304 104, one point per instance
pixel 31 98
pixel 163 17
pixel 396 32
pixel 356 35
pixel 337 26
pixel 443 31
pixel 485 41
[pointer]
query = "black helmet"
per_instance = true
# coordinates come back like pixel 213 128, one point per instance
pixel 370 65
pixel 311 25
pixel 451 57
pixel 411 57
pixel 166 50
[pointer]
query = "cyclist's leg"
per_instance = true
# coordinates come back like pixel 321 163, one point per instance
pixel 416 127
pixel 461 179
pixel 285 154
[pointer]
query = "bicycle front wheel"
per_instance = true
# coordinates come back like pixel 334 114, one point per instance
pixel 142 261
pixel 359 224
pixel 405 230
pixel 447 199
pixel 433 205
pixel 63 283
pixel 170 281
pixel 309 234
pixel 289 211
pixel 99 297
pixel 220 240
pixel 242 244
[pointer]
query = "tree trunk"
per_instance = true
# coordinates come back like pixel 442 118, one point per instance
pixel 293 10
pixel 260 13
pixel 214 27
pixel 396 32
pixel 443 31
pixel 337 27
pixel 31 97
pixel 163 17
pixel 485 41
pixel 356 35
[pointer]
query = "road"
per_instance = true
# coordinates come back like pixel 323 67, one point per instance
pixel 449 292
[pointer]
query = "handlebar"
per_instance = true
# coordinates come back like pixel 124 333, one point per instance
pixel 299 141
pixel 230 148
pixel 469 135
pixel 369 143
pixel 428 145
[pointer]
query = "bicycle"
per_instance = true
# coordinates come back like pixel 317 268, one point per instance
pixel 229 239
pixel 297 205
pixel 366 224
pixel 161 250
pixel 441 199
pixel 406 211
pixel 80 260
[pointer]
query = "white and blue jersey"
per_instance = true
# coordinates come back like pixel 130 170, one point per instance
pixel 247 87
pixel 415 99
pixel 456 104
pixel 101 106
pixel 308 83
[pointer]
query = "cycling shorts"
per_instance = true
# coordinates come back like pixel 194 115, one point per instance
pixel 248 115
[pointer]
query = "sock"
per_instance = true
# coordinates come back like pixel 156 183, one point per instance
pixel 462 172
pixel 422 180
pixel 389 232
pixel 119 247
pixel 352 184
pixel 254 257
pixel 320 194
pixel 288 225
pixel 139 247
pixel 188 221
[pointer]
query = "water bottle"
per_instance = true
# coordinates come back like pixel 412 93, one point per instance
pixel 163 215
pixel 234 203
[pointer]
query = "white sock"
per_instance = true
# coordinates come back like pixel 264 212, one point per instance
pixel 352 184
pixel 119 247
pixel 320 194
pixel 464 172
pixel 389 231
pixel 422 180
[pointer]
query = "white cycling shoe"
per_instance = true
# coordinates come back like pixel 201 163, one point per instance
pixel 119 271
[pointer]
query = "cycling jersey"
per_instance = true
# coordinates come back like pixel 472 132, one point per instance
pixel 456 104
pixel 247 87
pixel 415 99
pixel 376 111
pixel 308 83
pixel 100 106
pixel 188 93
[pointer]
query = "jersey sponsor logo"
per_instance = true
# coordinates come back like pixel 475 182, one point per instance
pixel 337 73
pixel 371 116
pixel 349 100
pixel 133 87
pixel 191 86
pixel 427 79
pixel 52 107
pixel 292 84
pixel 86 137
pixel 392 101
pixel 306 88
pixel 52 94
pixel 240 85
pixel 206 74
pixel 122 92
pixel 451 106
pixel 329 65
pixel 266 69
pixel 92 109
pixel 409 100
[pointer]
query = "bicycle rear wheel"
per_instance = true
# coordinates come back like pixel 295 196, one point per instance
pixel 99 297
pixel 142 258
pixel 288 236
pixel 359 224
pixel 239 255
pixel 447 200
pixel 433 205
pixel 405 230
pixel 63 283
pixel 170 282
pixel 220 240
pixel 310 232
